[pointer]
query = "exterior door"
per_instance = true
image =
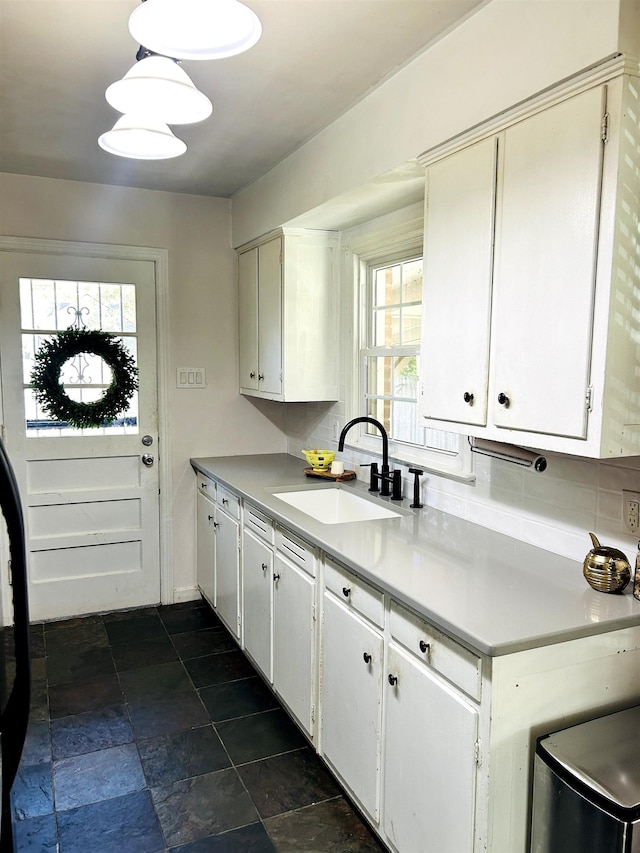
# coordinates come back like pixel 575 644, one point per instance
pixel 91 506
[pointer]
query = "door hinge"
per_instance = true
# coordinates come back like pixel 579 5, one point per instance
pixel 313 713
pixel 10 572
pixel 588 397
pixel 477 757
pixel 604 127
pixel 313 612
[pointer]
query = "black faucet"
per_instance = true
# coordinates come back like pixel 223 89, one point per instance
pixel 384 477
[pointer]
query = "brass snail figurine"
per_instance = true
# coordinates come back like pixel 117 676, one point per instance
pixel 606 569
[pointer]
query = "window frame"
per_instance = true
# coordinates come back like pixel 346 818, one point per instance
pixel 379 248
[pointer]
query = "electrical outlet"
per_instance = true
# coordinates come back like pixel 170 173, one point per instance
pixel 631 510
pixel 334 427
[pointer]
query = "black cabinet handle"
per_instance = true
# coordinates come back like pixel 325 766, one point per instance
pixel 346 591
pixel 392 679
pixel 276 577
pixel 225 501
pixel 504 400
pixel 468 397
pixel 366 657
pixel 210 517
pixel 260 376
pixel 424 646
pixel 252 375
pixel 216 524
pixel 264 567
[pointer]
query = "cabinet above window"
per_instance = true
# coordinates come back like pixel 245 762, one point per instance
pixel 532 280
pixel 288 299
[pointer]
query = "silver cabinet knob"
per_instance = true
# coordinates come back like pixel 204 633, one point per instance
pixel 147 459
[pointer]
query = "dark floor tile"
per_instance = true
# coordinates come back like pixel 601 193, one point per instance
pixel 32 791
pixel 37 745
pixel 89 631
pixel 37 835
pixel 329 827
pixel 172 713
pixel 97 776
pixel 287 782
pixel 182 755
pixel 135 629
pixel 237 699
pixel 178 620
pixel 81 733
pixel 125 824
pixel 247 839
pixel 144 653
pixel 36 641
pixel 260 736
pixel 79 663
pixel 126 615
pixel 155 681
pixel 194 644
pixel 76 698
pixel 219 668
pixel 206 805
pixel 39 705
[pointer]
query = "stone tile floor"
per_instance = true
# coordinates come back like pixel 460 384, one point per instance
pixel 151 732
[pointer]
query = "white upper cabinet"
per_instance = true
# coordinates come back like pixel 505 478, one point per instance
pixel 530 318
pixel 288 295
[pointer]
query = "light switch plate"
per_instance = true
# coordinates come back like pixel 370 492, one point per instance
pixel 191 377
pixel 631 510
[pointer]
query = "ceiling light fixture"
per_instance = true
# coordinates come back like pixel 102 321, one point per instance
pixel 159 87
pixel 141 138
pixel 195 29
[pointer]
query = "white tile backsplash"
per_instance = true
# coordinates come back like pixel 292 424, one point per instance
pixel 554 510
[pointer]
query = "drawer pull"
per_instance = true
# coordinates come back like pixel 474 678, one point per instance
pixel 366 657
pixel 210 517
pixel 468 397
pixel 504 400
pixel 346 591
pixel 276 577
pixel 204 486
pixel 424 647
pixel 225 501
pixel 392 679
pixel 216 524
pixel 264 567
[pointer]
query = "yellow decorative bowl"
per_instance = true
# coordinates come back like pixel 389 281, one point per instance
pixel 320 460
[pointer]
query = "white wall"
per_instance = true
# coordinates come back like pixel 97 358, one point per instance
pixel 506 52
pixel 196 231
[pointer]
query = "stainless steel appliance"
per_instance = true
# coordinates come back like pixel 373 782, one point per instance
pixel 15 677
pixel 586 793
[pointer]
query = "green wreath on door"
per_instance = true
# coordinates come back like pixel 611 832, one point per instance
pixel 50 393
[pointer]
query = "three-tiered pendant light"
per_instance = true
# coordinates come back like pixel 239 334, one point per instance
pixel 157 92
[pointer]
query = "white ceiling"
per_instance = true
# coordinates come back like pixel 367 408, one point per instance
pixel 316 58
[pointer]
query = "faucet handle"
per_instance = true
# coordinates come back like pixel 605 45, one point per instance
pixel 374 478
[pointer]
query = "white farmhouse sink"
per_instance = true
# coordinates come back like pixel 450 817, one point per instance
pixel 335 506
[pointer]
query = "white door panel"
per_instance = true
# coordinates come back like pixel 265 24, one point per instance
pixel 91 506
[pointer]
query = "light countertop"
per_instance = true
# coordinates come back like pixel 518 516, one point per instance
pixel 493 593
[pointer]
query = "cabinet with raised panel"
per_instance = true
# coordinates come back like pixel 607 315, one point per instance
pixel 257 587
pixel 288 303
pixel 527 278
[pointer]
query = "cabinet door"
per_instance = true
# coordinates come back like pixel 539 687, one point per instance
pixel 205 554
pixel 227 570
pixel 545 268
pixel 351 701
pixel 248 318
pixel 270 316
pixel 458 259
pixel 294 640
pixel 257 583
pixel 429 761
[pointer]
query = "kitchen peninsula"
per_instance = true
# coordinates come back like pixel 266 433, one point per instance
pixel 427 653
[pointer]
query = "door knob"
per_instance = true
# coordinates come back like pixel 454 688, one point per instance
pixel 147 459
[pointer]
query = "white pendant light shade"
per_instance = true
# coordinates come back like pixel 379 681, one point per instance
pixel 159 87
pixel 195 29
pixel 141 138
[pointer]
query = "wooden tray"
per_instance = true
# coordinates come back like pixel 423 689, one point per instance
pixel 327 475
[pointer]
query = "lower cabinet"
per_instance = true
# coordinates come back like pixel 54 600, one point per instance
pixel 227 561
pixel 352 670
pixel 205 539
pixel 257 585
pixel 294 630
pixel 430 748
